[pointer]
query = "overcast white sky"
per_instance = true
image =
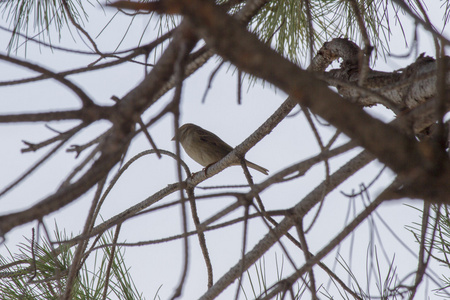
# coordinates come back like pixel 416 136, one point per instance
pixel 291 142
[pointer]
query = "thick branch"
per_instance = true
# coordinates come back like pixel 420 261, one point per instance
pixel 405 88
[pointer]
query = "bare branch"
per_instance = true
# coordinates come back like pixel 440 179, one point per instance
pixel 85 99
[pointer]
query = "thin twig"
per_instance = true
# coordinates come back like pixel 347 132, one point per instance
pixel 111 261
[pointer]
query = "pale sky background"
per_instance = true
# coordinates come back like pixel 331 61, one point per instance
pixel 290 142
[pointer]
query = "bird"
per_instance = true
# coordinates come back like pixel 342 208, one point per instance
pixel 206 148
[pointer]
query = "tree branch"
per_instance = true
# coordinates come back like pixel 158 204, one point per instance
pixel 424 167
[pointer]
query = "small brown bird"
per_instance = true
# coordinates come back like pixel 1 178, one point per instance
pixel 206 148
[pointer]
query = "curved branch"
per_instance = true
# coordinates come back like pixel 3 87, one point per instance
pixel 85 99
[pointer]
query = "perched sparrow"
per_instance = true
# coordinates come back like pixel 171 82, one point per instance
pixel 206 148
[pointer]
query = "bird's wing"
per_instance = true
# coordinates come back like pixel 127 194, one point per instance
pixel 216 141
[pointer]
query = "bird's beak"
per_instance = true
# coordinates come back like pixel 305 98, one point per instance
pixel 173 139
